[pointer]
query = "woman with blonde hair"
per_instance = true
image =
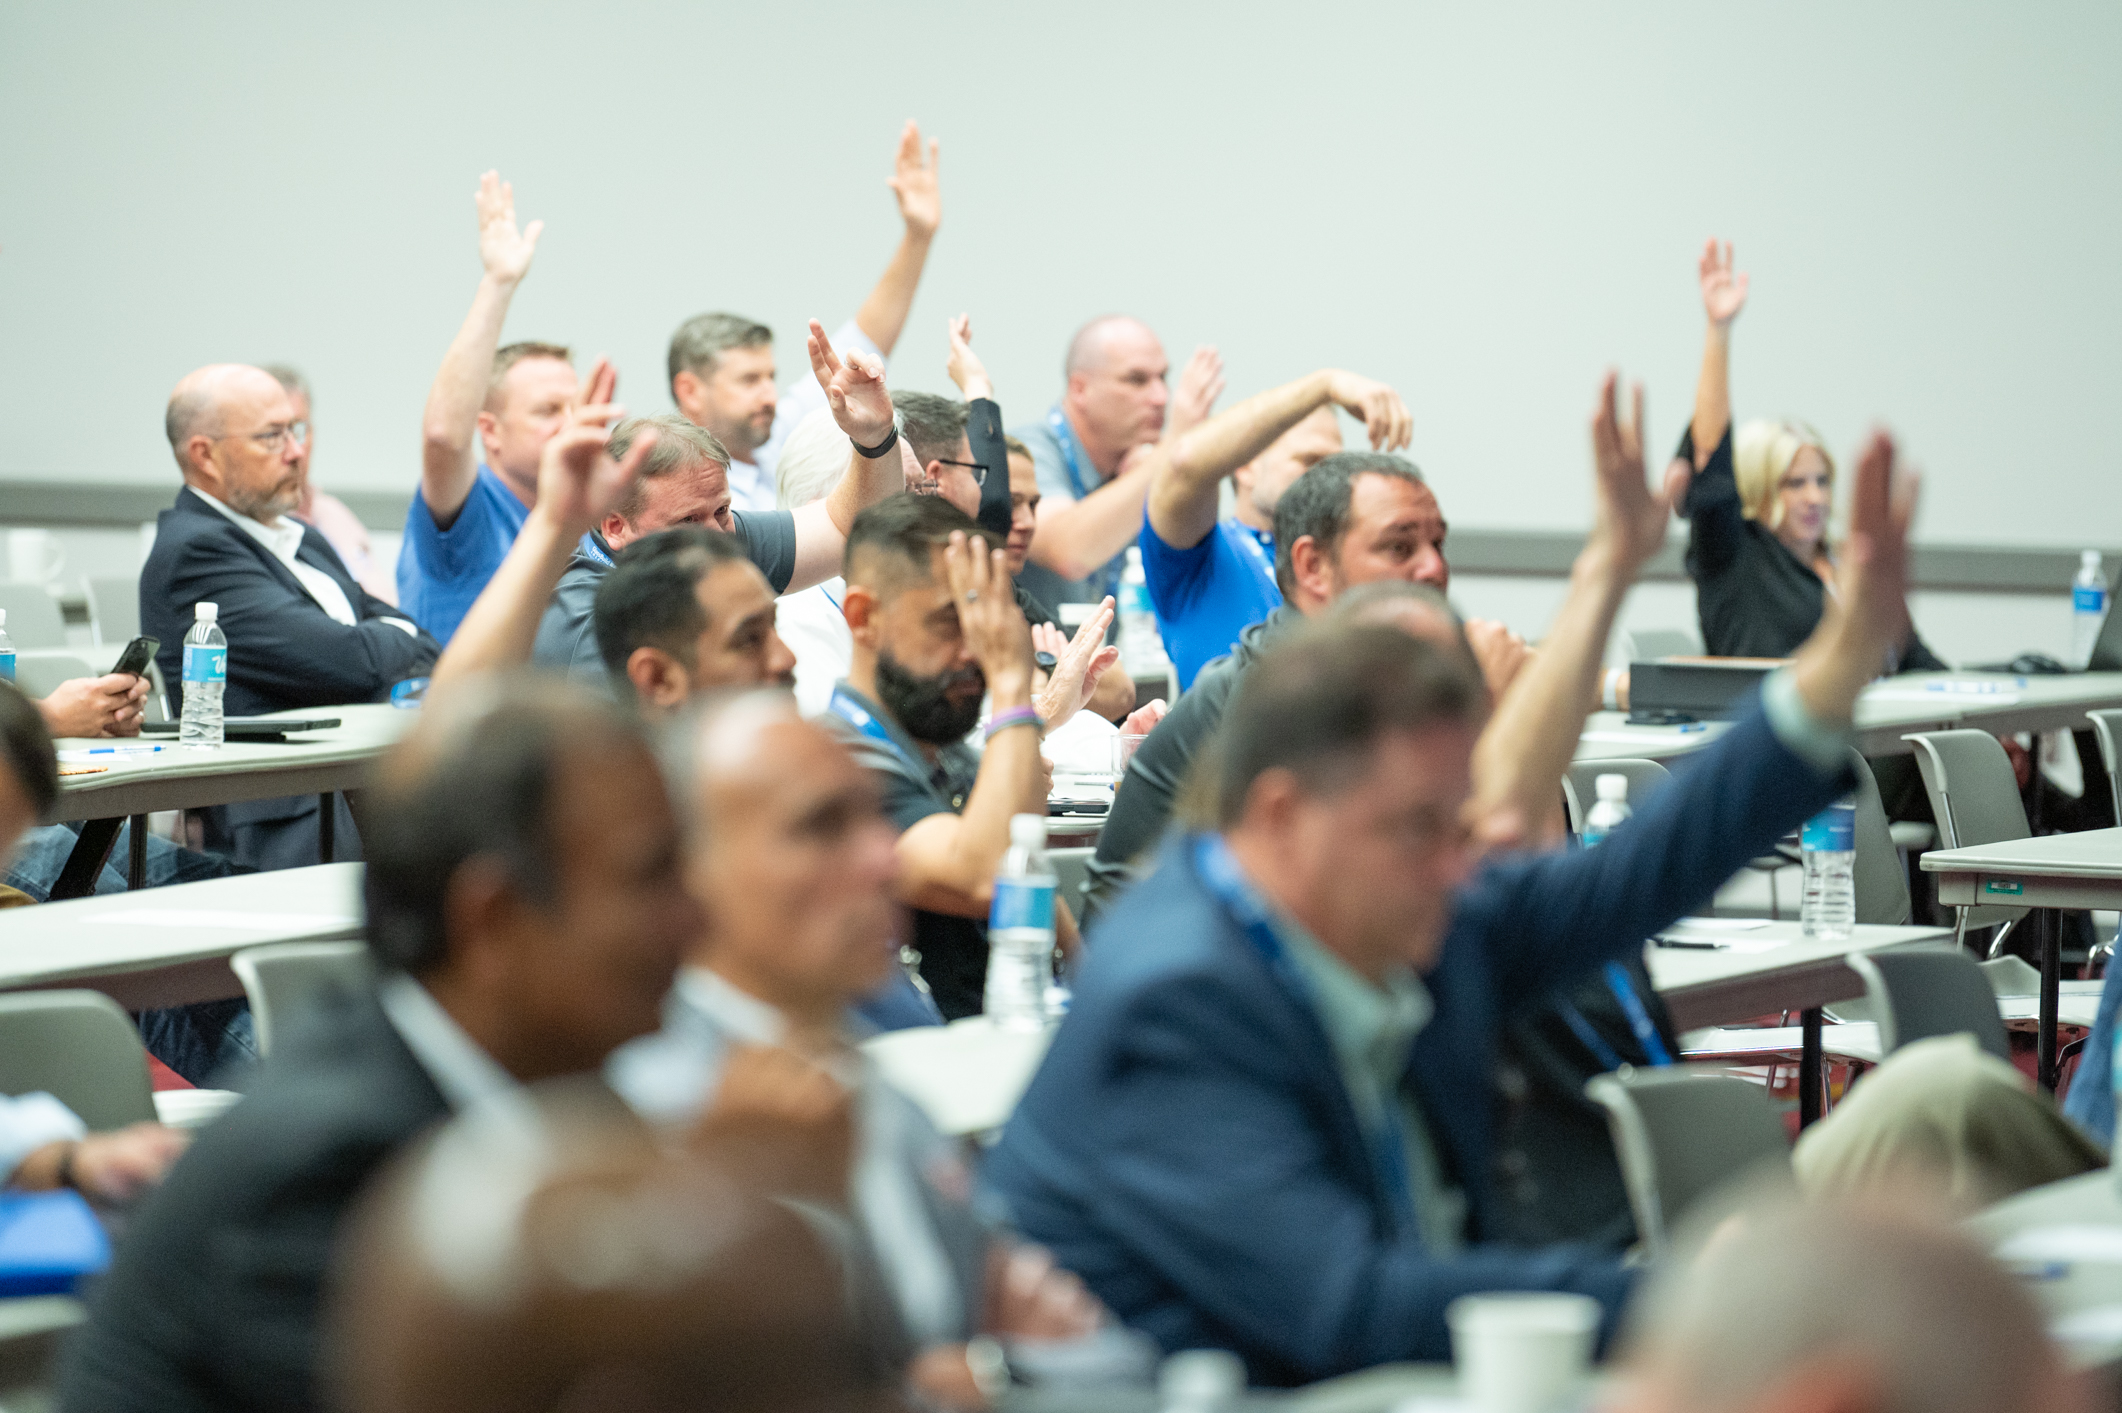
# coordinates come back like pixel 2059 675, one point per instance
pixel 1760 502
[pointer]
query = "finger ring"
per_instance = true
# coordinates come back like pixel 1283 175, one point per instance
pixel 972 596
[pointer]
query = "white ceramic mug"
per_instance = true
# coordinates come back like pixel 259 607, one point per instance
pixel 1522 1352
pixel 34 556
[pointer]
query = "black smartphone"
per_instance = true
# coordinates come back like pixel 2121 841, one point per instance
pixel 137 655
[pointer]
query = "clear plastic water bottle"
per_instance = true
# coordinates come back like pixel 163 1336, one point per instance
pixel 1829 841
pixel 205 679
pixel 2088 607
pixel 1140 645
pixel 1609 811
pixel 1020 929
pixel 7 650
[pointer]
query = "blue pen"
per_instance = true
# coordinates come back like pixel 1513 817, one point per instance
pixel 119 750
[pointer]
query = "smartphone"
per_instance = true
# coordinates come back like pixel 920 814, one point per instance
pixel 137 655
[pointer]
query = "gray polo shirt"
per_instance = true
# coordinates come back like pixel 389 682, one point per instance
pixel 567 634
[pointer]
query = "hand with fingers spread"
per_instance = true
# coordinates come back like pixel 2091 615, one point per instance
pixel 1143 719
pixel 504 250
pixel 1194 395
pixel 1630 521
pixel 994 627
pixel 1867 615
pixel 913 182
pixel 1499 653
pixel 1078 664
pixel 1723 288
pixel 965 367
pixel 854 389
pixel 1376 406
pixel 578 481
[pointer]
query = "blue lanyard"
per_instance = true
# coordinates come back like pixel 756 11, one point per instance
pixel 1223 877
pixel 856 715
pixel 1082 481
pixel 590 547
pixel 1619 982
pixel 1256 554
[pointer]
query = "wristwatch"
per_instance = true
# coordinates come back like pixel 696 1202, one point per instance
pixel 871 453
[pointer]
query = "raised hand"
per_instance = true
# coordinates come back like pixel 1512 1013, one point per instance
pixel 1499 653
pixel 1200 384
pixel 578 481
pixel 1629 519
pixel 994 627
pixel 504 251
pixel 1078 666
pixel 965 367
pixel 1867 615
pixel 603 384
pixel 854 388
pixel 1723 288
pixel 913 181
pixel 1376 406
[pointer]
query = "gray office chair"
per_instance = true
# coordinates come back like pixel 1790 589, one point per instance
pixel 1681 1135
pixel 1649 644
pixel 1580 789
pixel 1071 875
pixel 81 1048
pixel 33 617
pixel 1975 797
pixel 114 610
pixel 39 670
pixel 283 979
pixel 1882 883
pixel 1918 992
pixel 2107 729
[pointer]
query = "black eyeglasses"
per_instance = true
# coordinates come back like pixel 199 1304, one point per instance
pixel 979 469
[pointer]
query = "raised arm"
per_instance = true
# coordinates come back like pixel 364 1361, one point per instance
pixel 1723 296
pixel 854 390
pixel 983 427
pixel 449 459
pixel 1194 395
pixel 1182 495
pixel 577 484
pixel 883 315
pixel 1530 740
pixel 947 862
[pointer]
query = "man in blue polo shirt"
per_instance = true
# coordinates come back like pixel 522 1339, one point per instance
pixel 1212 579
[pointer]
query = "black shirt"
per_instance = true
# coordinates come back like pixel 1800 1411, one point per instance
pixel 1754 598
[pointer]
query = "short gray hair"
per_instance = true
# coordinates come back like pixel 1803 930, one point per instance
pixel 680 446
pixel 1316 505
pixel 931 424
pixel 288 376
pixel 813 460
pixel 702 340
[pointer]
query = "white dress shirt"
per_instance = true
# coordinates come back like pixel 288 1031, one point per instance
pixel 751 483
pixel 28 1123
pixel 811 623
pixel 282 538
pixel 465 1074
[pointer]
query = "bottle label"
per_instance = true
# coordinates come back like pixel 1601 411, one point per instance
pixel 2088 598
pixel 204 664
pixel 1022 902
pixel 7 667
pixel 1831 831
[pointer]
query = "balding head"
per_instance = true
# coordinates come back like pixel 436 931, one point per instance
pixel 1116 387
pixel 1838 1308
pixel 1097 343
pixel 233 431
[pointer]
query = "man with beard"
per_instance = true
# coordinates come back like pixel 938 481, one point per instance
pixel 935 626
pixel 302 632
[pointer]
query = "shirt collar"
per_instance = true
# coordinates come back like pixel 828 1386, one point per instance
pixel 283 536
pixel 463 1072
pixel 907 745
pixel 1368 1025
pixel 734 1010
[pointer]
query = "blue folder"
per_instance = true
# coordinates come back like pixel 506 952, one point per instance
pixel 48 1241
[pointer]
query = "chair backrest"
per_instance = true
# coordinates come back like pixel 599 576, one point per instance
pixel 1071 876
pixel 283 979
pixel 1646 644
pixel 2107 728
pixel 1918 992
pixel 1580 785
pixel 1882 883
pixel 1681 1134
pixel 114 609
pixel 82 1049
pixel 1975 798
pixel 33 617
pixel 39 670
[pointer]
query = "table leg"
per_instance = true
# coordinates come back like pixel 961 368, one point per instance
pixel 91 851
pixel 2051 939
pixel 327 825
pixel 136 852
pixel 1812 1078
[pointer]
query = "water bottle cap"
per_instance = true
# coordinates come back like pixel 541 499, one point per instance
pixel 1611 787
pixel 3 618
pixel 2088 559
pixel 206 612
pixel 1027 831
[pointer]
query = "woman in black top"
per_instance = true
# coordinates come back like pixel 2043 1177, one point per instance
pixel 1759 552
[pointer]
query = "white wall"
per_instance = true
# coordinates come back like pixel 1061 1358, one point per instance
pixel 1484 204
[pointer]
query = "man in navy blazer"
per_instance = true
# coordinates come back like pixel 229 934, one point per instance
pixel 302 631
pixel 1265 1125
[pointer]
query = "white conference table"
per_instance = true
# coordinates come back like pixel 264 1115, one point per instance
pixel 2063 1240
pixel 181 778
pixel 1730 969
pixel 170 946
pixel 2082 870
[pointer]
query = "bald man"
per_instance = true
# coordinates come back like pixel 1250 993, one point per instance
pixel 1092 478
pixel 301 630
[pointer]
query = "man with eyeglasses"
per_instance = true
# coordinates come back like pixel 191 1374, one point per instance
pixel 302 632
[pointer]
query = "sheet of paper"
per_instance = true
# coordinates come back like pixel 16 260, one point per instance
pixel 2080 1243
pixel 1721 924
pixel 1638 735
pixel 238 921
pixel 2000 697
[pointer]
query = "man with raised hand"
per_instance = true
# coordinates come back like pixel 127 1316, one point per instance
pixel 1212 579
pixel 1266 1125
pixel 722 365
pixel 683 481
pixel 488 416
pixel 1091 452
